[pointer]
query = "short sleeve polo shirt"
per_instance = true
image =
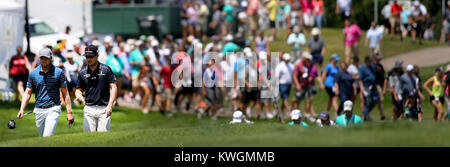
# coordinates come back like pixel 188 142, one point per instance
pixel 46 85
pixel 96 84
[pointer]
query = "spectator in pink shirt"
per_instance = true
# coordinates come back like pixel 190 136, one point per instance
pixel 352 35
pixel 252 12
pixel 318 12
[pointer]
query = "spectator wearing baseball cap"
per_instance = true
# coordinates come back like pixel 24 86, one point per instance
pixel 98 82
pixel 296 118
pixel 316 46
pixel 409 84
pixel 394 84
pixel 348 118
pixel 284 72
pixel 47 81
pixel 324 120
pixel 304 76
pixel 327 81
pixel 436 93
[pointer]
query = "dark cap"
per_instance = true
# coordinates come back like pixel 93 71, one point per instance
pixel 324 115
pixel 355 58
pixel 367 58
pixel 91 51
pixel 439 69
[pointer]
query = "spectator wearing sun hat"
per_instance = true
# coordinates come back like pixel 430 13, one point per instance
pixel 348 118
pixel 239 117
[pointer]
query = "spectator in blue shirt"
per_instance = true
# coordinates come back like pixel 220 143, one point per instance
pixel 367 76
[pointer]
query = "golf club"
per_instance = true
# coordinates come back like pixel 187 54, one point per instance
pixel 12 123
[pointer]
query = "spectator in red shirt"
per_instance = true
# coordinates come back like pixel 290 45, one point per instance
pixel 166 74
pixel 19 66
pixel 304 75
pixel 395 19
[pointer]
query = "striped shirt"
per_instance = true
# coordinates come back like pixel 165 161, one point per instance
pixel 46 85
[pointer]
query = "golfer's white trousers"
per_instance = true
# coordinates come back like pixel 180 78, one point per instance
pixel 95 119
pixel 47 119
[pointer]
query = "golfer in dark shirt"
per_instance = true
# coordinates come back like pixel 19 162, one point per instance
pixel 99 84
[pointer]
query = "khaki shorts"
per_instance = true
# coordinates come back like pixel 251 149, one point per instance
pixel 168 93
pixel 349 50
pixel 380 93
pixel 254 22
pixel 135 81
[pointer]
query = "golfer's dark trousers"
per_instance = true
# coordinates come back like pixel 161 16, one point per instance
pixel 370 101
pixel 343 97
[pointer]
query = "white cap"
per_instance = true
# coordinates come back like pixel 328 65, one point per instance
pixel 131 41
pixel 307 55
pixel 139 43
pixel 409 67
pixel 229 37
pixel 95 43
pixel 348 105
pixel 237 117
pixel 296 114
pixel 142 37
pixel 45 52
pixel 242 15
pixel 416 3
pixel 286 56
pixel 248 52
pixel 244 4
pixel 127 48
pixel 154 43
pixel 315 31
pixel 107 39
pixel 115 50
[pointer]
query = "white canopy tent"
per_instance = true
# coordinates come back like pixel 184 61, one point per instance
pixel 12 23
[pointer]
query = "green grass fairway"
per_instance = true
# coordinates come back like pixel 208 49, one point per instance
pixel 132 128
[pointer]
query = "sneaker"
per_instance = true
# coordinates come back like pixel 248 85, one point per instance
pixel 145 110
pixel 214 118
pixel 269 115
pixel 248 112
pixel 170 115
pixel 383 118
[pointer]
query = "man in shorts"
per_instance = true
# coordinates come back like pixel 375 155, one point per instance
pixel 304 75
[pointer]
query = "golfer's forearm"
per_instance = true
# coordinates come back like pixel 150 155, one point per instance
pixel 25 99
pixel 112 95
pixel 68 102
pixel 78 94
